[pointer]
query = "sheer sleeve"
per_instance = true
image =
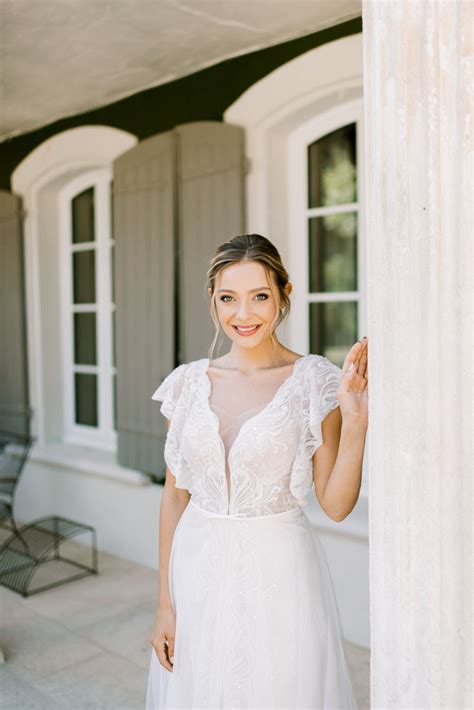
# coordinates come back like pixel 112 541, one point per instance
pixel 321 385
pixel 170 390
pixel 324 380
pixel 173 394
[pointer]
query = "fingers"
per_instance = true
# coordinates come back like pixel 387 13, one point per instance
pixel 362 350
pixel 363 367
pixel 350 358
pixel 359 379
pixel 355 355
pixel 162 652
pixel 171 650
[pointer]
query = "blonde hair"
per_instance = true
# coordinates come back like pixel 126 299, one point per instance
pixel 248 247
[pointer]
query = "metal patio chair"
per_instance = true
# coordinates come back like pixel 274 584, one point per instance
pixel 14 449
pixel 35 545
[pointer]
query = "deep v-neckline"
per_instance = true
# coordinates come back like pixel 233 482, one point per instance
pixel 216 421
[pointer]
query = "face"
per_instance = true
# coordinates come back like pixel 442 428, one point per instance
pixel 244 297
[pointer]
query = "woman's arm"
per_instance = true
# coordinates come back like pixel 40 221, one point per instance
pixel 337 463
pixel 173 502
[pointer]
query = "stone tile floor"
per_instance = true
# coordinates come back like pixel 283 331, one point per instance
pixel 85 645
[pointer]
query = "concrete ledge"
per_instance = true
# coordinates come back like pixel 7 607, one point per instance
pixel 88 462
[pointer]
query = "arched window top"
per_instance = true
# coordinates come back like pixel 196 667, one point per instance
pixel 67 153
pixel 334 67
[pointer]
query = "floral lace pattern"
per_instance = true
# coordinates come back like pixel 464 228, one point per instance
pixel 270 461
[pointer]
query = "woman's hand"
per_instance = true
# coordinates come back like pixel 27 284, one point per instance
pixel 354 386
pixel 162 638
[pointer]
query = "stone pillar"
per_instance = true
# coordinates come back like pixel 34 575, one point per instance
pixel 418 94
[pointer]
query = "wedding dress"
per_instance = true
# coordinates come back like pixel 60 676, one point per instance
pixel 257 622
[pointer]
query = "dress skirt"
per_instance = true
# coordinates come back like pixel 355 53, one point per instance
pixel 257 622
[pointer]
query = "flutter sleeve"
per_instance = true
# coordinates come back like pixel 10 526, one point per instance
pixel 173 393
pixel 170 390
pixel 320 397
pixel 324 380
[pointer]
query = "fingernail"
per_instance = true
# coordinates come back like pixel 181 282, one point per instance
pixel 172 659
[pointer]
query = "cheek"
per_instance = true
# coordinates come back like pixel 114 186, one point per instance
pixel 267 310
pixel 224 310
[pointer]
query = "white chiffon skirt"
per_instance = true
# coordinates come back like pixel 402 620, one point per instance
pixel 257 622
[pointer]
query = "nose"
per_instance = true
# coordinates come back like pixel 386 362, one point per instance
pixel 242 311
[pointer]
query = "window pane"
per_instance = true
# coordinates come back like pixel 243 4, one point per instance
pixel 332 168
pixel 83 217
pixel 83 270
pixel 333 252
pixel 85 346
pixel 332 329
pixel 86 398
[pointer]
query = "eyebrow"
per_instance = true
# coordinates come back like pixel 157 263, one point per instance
pixel 260 288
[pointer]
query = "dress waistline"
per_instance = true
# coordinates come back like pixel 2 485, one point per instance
pixel 295 512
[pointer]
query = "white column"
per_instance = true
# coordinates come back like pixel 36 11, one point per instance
pixel 418 93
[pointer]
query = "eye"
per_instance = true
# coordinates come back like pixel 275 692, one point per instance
pixel 265 297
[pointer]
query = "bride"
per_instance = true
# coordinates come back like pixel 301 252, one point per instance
pixel 247 615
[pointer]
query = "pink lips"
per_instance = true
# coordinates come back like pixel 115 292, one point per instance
pixel 249 332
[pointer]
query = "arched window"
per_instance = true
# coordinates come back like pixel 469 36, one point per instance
pixel 88 310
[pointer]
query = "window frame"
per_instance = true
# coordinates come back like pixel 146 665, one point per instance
pixel 104 436
pixel 299 213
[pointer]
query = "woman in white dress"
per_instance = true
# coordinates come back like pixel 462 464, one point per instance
pixel 247 615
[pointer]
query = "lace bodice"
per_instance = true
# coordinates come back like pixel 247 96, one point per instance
pixel 246 448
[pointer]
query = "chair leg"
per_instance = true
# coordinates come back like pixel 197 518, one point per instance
pixel 18 534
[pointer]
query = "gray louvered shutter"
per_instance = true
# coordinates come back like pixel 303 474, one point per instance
pixel 14 409
pixel 211 210
pixel 144 228
pixel 177 195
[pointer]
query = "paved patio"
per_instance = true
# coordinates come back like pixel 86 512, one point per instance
pixel 85 645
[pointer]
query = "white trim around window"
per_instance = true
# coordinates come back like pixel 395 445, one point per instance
pixel 38 179
pixel 298 143
pixel 103 435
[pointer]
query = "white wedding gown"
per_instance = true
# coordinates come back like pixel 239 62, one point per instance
pixel 257 622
